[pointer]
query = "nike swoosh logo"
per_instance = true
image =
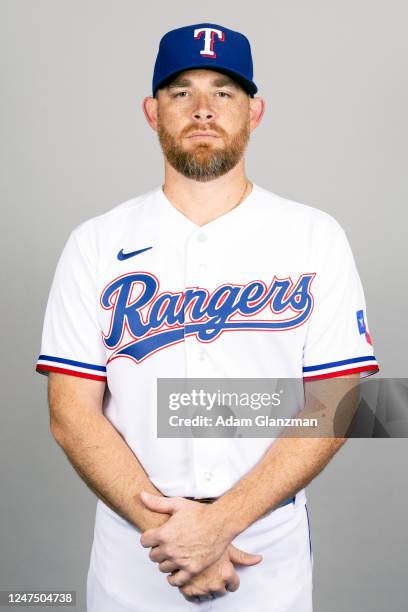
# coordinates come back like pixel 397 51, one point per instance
pixel 122 255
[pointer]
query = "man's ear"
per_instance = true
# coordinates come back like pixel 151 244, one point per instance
pixel 149 107
pixel 256 109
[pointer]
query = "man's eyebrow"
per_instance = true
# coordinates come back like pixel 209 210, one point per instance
pixel 221 81
pixel 218 82
pixel 179 83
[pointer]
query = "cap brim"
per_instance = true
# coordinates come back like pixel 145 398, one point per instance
pixel 248 86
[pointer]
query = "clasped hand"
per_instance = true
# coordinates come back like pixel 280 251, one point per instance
pixel 193 546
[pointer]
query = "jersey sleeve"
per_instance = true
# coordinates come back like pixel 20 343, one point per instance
pixel 71 337
pixel 338 340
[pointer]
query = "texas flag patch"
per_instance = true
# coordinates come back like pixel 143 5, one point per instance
pixel 362 328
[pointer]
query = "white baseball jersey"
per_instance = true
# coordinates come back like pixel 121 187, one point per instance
pixel 268 290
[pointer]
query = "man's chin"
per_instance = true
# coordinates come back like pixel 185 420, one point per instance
pixel 210 145
pixel 200 154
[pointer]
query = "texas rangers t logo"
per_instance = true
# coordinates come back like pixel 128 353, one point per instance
pixel 209 36
pixel 154 320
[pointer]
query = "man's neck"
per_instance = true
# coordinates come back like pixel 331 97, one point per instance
pixel 203 202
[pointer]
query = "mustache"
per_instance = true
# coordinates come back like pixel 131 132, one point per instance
pixel 199 128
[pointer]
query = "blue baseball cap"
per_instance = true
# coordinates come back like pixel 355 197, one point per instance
pixel 204 45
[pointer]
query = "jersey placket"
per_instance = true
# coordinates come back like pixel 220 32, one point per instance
pixel 209 455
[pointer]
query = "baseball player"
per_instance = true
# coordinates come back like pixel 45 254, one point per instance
pixel 206 276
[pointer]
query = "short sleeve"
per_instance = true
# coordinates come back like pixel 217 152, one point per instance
pixel 71 337
pixel 338 341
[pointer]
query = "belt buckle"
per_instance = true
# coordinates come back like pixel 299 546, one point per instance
pixel 203 500
pixel 206 500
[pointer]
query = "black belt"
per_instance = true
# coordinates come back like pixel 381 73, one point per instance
pixel 210 500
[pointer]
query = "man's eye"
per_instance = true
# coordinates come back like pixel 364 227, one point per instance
pixel 183 94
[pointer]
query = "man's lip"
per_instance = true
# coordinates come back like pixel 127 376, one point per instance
pixel 203 134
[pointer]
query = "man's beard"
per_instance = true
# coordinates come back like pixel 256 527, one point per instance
pixel 203 162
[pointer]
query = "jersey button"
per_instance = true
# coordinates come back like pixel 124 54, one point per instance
pixel 202 267
pixel 202 355
pixel 201 237
pixel 208 476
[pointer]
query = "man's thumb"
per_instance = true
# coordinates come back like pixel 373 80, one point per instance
pixel 158 503
pixel 240 557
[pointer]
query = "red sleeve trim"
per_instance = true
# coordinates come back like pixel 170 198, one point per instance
pixel 47 368
pixel 371 368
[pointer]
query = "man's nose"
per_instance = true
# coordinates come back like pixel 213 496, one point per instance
pixel 203 110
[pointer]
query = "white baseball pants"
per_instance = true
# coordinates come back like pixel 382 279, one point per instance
pixel 122 578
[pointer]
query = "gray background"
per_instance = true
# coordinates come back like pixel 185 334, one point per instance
pixel 73 75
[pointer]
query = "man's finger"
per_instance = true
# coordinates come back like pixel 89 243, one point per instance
pixel 190 598
pixel 159 503
pixel 233 583
pixel 150 538
pixel 201 595
pixel 167 566
pixel 179 578
pixel 157 555
pixel 240 557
